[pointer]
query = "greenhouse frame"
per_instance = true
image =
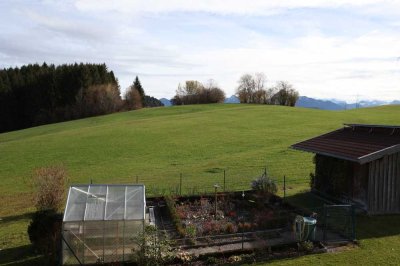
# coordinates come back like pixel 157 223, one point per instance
pixel 100 223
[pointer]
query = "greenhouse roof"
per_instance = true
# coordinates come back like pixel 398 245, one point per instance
pixel 105 202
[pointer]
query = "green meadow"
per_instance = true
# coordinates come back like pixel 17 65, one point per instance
pixel 156 146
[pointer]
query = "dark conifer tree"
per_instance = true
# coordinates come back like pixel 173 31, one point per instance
pixel 39 94
pixel 139 87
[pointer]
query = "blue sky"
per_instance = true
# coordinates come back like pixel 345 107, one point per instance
pixel 326 49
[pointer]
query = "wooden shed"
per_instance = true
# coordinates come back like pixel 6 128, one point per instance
pixel 358 163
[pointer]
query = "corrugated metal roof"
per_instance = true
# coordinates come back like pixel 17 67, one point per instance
pixel 355 142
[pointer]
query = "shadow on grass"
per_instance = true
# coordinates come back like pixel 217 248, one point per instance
pixel 366 226
pixel 14 218
pixel 23 255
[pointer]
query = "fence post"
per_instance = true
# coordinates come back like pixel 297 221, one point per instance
pixel 180 184
pixel 265 171
pixel 284 187
pixel 91 181
pixel 137 180
pixel 224 179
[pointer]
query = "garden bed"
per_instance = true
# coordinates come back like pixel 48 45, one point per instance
pixel 229 228
pixel 231 218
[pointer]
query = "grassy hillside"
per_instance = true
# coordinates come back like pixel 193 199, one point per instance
pixel 158 144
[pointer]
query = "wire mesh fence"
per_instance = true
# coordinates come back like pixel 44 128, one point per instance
pixel 338 223
pixel 201 181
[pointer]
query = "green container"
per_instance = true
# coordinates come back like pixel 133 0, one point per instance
pixel 310 228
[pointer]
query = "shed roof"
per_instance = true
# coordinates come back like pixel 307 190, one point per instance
pixel 355 142
pixel 105 202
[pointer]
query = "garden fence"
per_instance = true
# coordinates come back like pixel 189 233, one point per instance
pixel 202 182
pixel 338 223
pixel 263 238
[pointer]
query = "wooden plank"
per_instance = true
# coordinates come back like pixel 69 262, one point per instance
pixel 388 180
pixel 381 181
pixel 397 174
pixel 376 174
pixel 393 194
pixel 376 178
pixel 371 187
pixel 384 185
pixel 387 184
pixel 390 188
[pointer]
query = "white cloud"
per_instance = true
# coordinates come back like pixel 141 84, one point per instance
pixel 254 7
pixel 325 48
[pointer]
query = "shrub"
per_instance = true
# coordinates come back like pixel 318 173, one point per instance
pixel 230 228
pixel 306 246
pixel 184 256
pixel 212 261
pixel 190 231
pixel 50 185
pixel 248 258
pixel 170 202
pixel 213 227
pixel 44 229
pixel 264 185
pixel 44 233
pixel 153 247
pixel 234 259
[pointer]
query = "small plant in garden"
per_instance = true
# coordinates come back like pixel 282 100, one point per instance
pixel 212 261
pixel 306 246
pixel 190 232
pixel 231 228
pixel 153 247
pixel 184 256
pixel 234 259
pixel 170 202
pixel 264 185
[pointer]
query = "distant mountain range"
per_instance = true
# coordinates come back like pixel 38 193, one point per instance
pixel 333 104
pixel 232 99
pixel 165 101
pixel 307 102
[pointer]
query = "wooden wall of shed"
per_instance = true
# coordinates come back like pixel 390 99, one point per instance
pixel 384 185
pixel 360 184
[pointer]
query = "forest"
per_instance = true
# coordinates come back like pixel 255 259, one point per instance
pixel 39 94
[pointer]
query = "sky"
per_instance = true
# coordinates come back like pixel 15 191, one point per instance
pixel 346 50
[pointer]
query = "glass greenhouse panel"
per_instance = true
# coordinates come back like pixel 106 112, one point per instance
pixel 101 222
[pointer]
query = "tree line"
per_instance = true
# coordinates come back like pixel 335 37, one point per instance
pixel 251 89
pixel 40 94
pixel 194 92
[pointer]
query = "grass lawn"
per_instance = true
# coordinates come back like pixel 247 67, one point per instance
pixel 199 141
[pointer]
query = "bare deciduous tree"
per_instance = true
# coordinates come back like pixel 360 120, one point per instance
pixel 246 88
pixel 194 92
pixel 252 89
pixel 49 184
pixel 286 94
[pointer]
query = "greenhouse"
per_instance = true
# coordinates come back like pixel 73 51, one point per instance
pixel 100 223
